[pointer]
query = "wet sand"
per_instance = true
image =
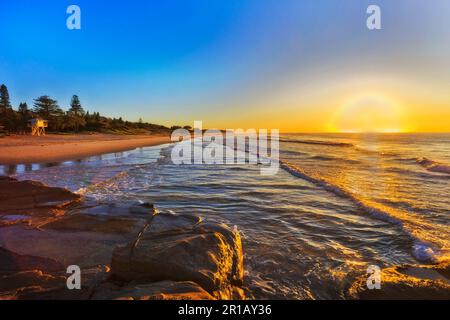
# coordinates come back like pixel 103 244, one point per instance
pixel 28 149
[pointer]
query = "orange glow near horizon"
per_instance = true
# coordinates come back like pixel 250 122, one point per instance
pixel 352 108
pixel 377 104
pixel 368 113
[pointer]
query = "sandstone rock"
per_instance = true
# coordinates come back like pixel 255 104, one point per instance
pixel 234 241
pixel 166 224
pixel 164 290
pixel 144 208
pixel 183 248
pixel 172 256
pixel 95 223
pixel 35 285
pixel 12 262
pixel 32 197
pixel 32 285
pixel 31 278
pixel 424 282
pixel 10 220
pixel 19 272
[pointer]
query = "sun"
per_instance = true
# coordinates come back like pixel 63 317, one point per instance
pixel 368 113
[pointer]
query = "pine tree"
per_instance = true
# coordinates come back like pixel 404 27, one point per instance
pixel 23 108
pixel 76 113
pixel 48 109
pixel 24 115
pixel 7 114
pixel 97 121
pixel 5 104
pixel 75 106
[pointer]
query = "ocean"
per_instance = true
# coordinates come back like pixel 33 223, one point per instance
pixel 339 203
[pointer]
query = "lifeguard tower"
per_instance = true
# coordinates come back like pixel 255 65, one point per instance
pixel 38 126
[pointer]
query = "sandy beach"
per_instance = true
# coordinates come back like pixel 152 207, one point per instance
pixel 28 149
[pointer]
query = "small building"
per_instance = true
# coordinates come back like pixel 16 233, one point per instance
pixel 38 126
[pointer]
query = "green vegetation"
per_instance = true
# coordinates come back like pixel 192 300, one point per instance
pixel 75 119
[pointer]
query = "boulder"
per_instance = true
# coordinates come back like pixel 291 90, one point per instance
pixel 183 248
pixel 168 224
pixel 32 197
pixel 30 203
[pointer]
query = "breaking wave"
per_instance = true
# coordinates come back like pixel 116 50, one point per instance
pixel 319 142
pixel 430 239
pixel 433 166
pixel 331 158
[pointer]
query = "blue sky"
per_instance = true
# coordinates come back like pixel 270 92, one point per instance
pixel 227 62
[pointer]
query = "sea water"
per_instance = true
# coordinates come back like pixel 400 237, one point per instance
pixel 339 203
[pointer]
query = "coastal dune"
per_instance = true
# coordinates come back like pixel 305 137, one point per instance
pixel 51 148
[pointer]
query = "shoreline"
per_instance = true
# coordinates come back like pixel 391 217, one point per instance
pixel 103 244
pixel 53 148
pixel 73 234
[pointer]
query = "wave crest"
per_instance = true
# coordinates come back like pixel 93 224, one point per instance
pixel 433 166
pixel 319 142
pixel 431 240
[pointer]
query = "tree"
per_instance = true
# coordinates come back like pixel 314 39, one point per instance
pixel 75 106
pixel 7 114
pixel 24 115
pixel 23 108
pixel 74 119
pixel 92 121
pixel 76 114
pixel 140 124
pixel 5 104
pixel 48 109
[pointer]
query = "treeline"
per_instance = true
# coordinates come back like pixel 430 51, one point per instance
pixel 75 119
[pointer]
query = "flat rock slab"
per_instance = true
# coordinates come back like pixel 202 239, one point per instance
pixel 163 290
pixel 426 282
pixel 14 285
pixel 12 262
pixel 183 248
pixel 33 198
pixel 38 285
pixel 95 223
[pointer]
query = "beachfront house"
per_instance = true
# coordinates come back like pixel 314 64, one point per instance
pixel 38 126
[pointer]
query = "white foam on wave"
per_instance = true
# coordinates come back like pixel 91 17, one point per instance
pixel 431 239
pixel 424 252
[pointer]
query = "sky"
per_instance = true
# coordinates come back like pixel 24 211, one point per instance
pixel 298 66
